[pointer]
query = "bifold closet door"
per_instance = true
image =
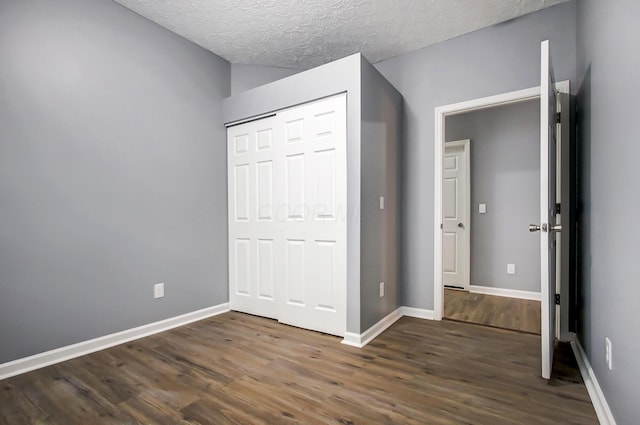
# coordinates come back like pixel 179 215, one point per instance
pixel 288 216
pixel 253 229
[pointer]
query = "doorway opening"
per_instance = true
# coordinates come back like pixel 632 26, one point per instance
pixel 441 114
pixel 491 186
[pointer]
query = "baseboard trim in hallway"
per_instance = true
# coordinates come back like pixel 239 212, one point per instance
pixel 58 355
pixel 509 293
pixel 418 313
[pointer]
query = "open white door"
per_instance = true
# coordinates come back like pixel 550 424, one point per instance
pixel 547 225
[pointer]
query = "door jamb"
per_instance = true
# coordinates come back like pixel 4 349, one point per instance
pixel 466 146
pixel 441 112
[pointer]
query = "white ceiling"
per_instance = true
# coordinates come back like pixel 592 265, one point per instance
pixel 305 33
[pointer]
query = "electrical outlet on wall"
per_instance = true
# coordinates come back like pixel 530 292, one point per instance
pixel 381 289
pixel 158 290
pixel 511 269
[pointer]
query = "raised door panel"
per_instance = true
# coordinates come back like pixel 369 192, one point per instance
pixel 325 280
pixel 241 143
pixel 265 262
pixel 325 185
pixel 264 139
pixel 295 186
pixel 294 130
pixel 264 172
pixel 242 267
pixel 295 273
pixel 241 192
pixel 450 198
pixel 450 253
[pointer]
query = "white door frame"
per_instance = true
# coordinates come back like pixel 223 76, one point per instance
pixel 441 112
pixel 466 146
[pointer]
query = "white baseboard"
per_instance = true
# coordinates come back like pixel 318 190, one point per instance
pixel 593 387
pixel 353 339
pixel 500 292
pixel 360 340
pixel 47 358
pixel 419 313
pixel 37 361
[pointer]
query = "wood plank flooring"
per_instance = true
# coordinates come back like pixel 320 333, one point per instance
pixel 240 369
pixel 490 310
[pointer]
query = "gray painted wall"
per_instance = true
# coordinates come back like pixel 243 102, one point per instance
pixel 245 77
pixel 505 175
pixel 112 173
pixel 608 92
pixel 493 60
pixel 380 229
pixel 336 77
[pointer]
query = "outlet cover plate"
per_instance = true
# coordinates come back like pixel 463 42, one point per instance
pixel 158 290
pixel 608 353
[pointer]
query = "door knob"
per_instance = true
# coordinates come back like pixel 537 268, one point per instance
pixel 460 225
pixel 557 228
pixel 537 228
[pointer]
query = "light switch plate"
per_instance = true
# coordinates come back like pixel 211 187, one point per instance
pixel 382 202
pixel 482 208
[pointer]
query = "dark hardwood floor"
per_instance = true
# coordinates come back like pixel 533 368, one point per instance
pixel 501 312
pixel 240 369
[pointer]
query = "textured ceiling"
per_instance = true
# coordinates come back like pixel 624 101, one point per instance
pixel 305 33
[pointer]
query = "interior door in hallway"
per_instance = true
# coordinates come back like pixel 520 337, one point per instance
pixel 455 205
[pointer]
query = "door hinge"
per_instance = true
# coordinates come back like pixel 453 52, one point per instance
pixel 557 299
pixel 558 118
pixel 558 209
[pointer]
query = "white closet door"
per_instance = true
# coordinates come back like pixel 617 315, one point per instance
pixel 253 231
pixel 312 277
pixel 287 179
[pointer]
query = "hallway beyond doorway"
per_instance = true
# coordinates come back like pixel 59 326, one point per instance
pixel 490 310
